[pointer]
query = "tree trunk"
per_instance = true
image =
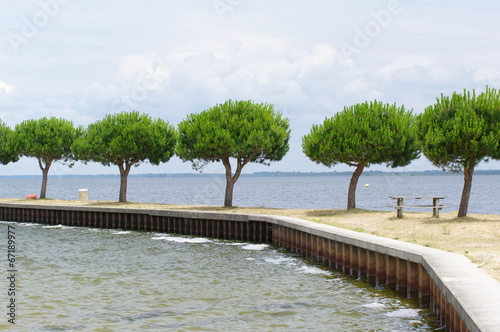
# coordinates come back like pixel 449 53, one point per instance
pixel 45 177
pixel 231 179
pixel 124 171
pixel 228 198
pixel 464 201
pixel 351 197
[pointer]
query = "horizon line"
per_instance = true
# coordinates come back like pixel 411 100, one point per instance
pixel 261 173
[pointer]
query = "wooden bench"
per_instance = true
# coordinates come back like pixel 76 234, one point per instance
pixel 400 199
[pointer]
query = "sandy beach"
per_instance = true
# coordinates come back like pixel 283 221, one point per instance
pixel 477 236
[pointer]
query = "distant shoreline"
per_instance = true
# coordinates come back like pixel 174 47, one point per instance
pixel 258 174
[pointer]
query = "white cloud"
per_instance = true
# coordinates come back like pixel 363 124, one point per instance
pixel 136 67
pixel 7 88
pixel 138 77
pixel 266 69
pixel 360 87
pixel 387 71
pixel 488 76
pixel 170 59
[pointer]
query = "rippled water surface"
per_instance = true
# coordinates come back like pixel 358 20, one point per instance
pixel 296 192
pixel 83 279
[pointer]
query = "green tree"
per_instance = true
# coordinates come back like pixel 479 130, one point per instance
pixel 8 152
pixel 242 130
pixel 460 131
pixel 46 139
pixel 126 139
pixel 361 135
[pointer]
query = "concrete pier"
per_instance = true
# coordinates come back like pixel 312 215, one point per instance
pixel 463 297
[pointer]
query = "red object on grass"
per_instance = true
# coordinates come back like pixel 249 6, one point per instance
pixel 30 196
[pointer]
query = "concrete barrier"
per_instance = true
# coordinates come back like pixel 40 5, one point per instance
pixel 464 297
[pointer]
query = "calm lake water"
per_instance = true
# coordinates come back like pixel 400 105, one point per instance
pixel 85 279
pixel 300 192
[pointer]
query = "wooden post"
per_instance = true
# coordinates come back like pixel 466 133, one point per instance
pixel 390 272
pixel 380 269
pixel 435 208
pixel 354 261
pixel 331 254
pixel 412 280
pixel 371 268
pixel 424 285
pixel 362 262
pixel 399 207
pixel 401 276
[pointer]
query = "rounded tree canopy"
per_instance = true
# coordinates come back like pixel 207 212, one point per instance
pixel 461 130
pixel 48 139
pixel 243 130
pixel 127 137
pixel 364 134
pixel 8 152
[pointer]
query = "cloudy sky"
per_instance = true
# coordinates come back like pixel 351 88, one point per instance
pixel 83 59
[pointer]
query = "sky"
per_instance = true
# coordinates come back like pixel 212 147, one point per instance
pixel 81 60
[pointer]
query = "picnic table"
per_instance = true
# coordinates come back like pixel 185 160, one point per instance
pixel 436 206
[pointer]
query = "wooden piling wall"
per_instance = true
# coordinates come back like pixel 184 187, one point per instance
pixel 410 270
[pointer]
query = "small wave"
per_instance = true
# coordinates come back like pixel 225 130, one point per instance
pixel 58 226
pixel 182 239
pixel 29 224
pixel 312 270
pixel 403 313
pixel 281 260
pixel 121 232
pixel 373 305
pixel 255 246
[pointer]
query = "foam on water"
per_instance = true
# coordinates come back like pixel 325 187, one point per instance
pixel 29 224
pixel 374 305
pixel 121 232
pixel 255 246
pixel 312 270
pixel 58 226
pixel 403 313
pixel 281 260
pixel 179 239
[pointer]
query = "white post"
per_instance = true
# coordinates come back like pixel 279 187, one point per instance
pixel 83 195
